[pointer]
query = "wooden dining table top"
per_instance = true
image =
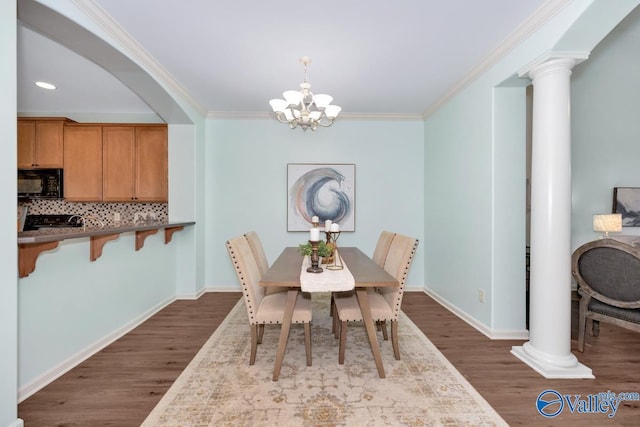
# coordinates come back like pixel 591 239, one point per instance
pixel 285 271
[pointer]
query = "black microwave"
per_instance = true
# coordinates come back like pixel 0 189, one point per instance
pixel 40 184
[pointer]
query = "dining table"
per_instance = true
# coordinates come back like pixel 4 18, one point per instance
pixel 285 273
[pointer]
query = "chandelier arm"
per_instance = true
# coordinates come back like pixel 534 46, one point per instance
pixel 325 125
pixel 281 118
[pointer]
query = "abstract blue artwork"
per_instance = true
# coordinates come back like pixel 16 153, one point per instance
pixel 323 190
pixel 626 201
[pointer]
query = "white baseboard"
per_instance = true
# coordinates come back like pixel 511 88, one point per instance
pixel 232 288
pixel 17 423
pixel 499 334
pixel 191 296
pixel 207 290
pixel 62 368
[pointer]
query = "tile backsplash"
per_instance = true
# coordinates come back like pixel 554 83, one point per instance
pixel 105 212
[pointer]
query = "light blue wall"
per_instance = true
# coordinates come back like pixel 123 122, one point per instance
pixel 70 304
pixel 8 253
pixel 246 167
pixel 605 122
pixel 466 161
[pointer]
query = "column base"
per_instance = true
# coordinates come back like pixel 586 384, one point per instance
pixel 549 370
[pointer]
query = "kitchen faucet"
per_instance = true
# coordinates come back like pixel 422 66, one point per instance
pixel 84 219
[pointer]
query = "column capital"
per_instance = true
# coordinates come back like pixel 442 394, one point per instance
pixel 568 59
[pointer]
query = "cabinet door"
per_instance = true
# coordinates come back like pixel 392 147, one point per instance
pixel 83 163
pixel 152 164
pixel 49 144
pixel 118 165
pixel 40 143
pixel 26 143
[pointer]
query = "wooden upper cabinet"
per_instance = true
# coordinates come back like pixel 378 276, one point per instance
pixel 135 163
pixel 152 154
pixel 40 143
pixel 83 163
pixel 118 162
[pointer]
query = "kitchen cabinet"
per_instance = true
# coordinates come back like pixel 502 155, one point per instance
pixel 40 142
pixel 135 163
pixel 83 163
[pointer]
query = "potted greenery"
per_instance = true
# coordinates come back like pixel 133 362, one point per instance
pixel 324 250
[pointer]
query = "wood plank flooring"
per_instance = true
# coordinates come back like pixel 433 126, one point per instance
pixel 120 385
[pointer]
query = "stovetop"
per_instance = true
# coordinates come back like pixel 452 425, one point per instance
pixel 36 222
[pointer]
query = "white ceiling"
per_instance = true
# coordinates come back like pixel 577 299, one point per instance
pixel 375 57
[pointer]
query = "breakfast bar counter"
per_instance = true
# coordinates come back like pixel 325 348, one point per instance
pixel 32 243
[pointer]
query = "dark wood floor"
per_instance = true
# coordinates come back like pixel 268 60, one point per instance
pixel 120 385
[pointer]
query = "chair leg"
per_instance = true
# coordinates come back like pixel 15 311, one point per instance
pixel 394 338
pixel 260 333
pixel 254 344
pixel 332 305
pixel 335 327
pixel 307 342
pixel 582 324
pixel 343 342
pixel 383 326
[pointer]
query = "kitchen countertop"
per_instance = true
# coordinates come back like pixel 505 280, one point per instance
pixel 58 234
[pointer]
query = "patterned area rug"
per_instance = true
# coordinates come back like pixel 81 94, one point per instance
pixel 219 388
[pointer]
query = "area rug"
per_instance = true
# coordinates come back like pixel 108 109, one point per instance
pixel 219 388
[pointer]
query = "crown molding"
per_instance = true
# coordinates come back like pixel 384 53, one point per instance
pixel 541 16
pixel 98 15
pixel 246 115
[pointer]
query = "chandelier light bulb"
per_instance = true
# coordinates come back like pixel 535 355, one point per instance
pixel 303 108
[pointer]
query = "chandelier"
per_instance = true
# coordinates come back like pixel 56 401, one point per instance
pixel 303 108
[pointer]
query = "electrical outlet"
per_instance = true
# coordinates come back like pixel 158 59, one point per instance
pixel 481 295
pixel 116 217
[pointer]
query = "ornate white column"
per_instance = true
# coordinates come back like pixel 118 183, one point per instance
pixel 548 350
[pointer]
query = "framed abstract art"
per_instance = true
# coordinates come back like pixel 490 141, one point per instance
pixel 626 201
pixel 323 190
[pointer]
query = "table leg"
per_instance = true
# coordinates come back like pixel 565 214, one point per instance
pixel 365 308
pixel 292 295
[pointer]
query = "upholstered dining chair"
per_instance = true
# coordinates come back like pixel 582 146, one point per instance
pixel 607 273
pixel 258 250
pixel 382 247
pixel 385 302
pixel 264 309
pixel 261 258
pixel 379 256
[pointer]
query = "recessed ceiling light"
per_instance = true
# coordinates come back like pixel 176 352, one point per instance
pixel 45 85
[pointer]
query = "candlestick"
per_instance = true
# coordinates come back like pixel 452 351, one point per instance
pixel 314 258
pixel 337 259
pixel 330 247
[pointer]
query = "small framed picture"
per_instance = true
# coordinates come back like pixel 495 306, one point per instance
pixel 323 190
pixel 626 201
